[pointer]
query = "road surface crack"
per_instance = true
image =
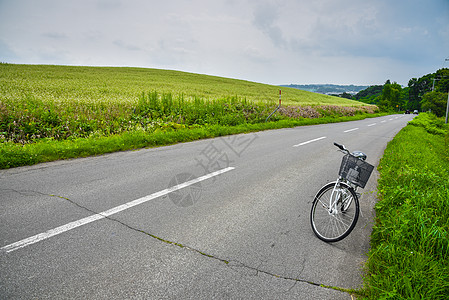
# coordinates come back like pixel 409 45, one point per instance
pixel 235 263
pixel 231 263
pixel 23 192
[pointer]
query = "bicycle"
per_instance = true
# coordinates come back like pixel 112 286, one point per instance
pixel 335 208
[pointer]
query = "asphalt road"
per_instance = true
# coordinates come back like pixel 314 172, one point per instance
pixel 224 218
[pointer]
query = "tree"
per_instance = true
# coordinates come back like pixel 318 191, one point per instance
pixel 404 98
pixel 370 95
pixel 436 102
pixel 418 87
pixel 390 98
pixel 346 95
pixel 442 80
pixel 397 101
pixel 438 81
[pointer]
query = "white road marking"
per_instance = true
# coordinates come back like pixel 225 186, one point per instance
pixel 383 121
pixel 311 141
pixel 371 124
pixel 72 225
pixel 349 130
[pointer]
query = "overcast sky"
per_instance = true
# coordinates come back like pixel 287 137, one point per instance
pixel 268 41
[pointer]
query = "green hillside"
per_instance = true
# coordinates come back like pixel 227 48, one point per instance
pixel 106 84
pixel 55 112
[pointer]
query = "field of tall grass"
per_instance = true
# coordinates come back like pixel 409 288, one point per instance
pixel 409 256
pixel 66 84
pixel 49 112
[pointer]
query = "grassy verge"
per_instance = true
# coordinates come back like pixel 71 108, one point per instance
pixel 44 150
pixel 409 256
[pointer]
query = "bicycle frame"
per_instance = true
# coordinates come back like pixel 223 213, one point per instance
pixel 335 209
pixel 336 195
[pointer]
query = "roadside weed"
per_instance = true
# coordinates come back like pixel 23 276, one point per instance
pixel 409 256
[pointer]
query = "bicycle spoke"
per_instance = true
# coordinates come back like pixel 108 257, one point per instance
pixel 333 220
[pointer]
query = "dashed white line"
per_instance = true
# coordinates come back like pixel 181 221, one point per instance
pixel 371 124
pixel 72 225
pixel 383 121
pixel 353 129
pixel 311 141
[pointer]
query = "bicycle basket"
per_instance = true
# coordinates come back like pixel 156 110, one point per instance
pixel 355 170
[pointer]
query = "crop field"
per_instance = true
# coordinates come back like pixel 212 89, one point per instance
pixel 41 104
pixel 125 85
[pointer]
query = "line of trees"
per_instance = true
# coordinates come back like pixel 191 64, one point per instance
pixel 429 92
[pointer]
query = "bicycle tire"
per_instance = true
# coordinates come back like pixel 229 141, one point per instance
pixel 333 225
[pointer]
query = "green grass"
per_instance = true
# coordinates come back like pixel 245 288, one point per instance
pixel 67 84
pixel 58 112
pixel 17 154
pixel 409 256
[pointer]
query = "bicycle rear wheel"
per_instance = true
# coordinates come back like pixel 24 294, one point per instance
pixel 333 219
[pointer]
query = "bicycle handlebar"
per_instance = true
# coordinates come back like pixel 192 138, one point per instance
pixel 342 147
pixel 358 154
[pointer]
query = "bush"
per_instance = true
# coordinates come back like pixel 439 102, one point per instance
pixel 436 102
pixel 431 124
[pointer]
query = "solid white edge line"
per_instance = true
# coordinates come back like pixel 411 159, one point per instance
pixel 311 141
pixel 72 225
pixel 349 130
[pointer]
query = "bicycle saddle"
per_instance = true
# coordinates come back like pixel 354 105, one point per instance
pixel 359 155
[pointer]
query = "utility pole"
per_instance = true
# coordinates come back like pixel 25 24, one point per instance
pixel 447 108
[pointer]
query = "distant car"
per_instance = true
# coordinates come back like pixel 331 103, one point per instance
pixel 415 112
pixel 407 112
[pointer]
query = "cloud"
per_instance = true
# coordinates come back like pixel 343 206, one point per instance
pixel 55 35
pixel 265 17
pixel 109 4
pixel 256 55
pixel 123 45
pixel 270 41
pixel 6 53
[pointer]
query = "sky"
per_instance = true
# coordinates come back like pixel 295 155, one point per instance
pixel 268 41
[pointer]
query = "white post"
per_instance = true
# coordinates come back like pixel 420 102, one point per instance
pixel 447 108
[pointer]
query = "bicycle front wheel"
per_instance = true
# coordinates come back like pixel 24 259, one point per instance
pixel 335 211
